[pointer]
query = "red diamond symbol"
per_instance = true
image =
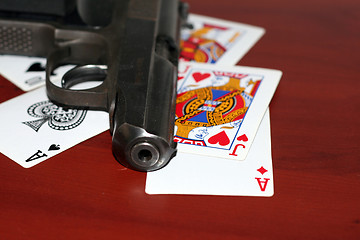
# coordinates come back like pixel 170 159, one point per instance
pixel 262 170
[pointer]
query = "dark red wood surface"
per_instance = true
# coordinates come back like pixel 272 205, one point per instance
pixel 83 193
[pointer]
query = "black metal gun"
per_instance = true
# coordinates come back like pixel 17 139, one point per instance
pixel 132 46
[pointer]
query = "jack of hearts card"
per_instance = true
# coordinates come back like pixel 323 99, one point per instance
pixel 219 109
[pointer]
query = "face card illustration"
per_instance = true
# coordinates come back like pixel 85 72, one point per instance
pixel 212 40
pixel 27 73
pixel 33 129
pixel 196 174
pixel 218 109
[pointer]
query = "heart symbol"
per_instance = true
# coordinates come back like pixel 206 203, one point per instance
pixel 54 147
pixel 243 138
pixel 220 138
pixel 200 76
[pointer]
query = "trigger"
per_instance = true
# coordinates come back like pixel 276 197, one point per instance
pixel 85 73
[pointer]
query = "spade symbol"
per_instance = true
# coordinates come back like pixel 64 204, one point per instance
pixel 38 67
pixel 54 147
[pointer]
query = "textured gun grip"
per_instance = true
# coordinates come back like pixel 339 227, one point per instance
pixel 23 38
pixel 16 40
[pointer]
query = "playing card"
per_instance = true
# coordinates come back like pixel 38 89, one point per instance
pixel 219 108
pixel 212 40
pixel 196 174
pixel 33 129
pixel 27 73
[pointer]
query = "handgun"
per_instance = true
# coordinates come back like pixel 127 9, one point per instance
pixel 130 46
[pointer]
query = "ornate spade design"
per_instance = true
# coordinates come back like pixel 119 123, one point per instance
pixel 58 118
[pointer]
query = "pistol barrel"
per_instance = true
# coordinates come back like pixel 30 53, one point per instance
pixel 145 104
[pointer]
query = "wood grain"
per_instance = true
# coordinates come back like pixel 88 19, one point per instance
pixel 84 193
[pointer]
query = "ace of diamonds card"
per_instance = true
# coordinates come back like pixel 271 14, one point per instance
pixel 195 174
pixel 219 108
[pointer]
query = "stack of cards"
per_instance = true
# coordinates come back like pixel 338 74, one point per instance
pixel 222 124
pixel 222 117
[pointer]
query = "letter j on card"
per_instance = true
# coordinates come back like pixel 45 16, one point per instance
pixel 219 108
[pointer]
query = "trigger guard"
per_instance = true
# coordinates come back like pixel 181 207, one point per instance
pixel 85 73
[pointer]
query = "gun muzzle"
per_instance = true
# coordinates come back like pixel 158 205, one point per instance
pixel 144 111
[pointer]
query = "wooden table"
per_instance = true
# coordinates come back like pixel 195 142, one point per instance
pixel 84 193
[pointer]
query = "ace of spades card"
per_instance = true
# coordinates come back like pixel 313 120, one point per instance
pixel 219 109
pixel 33 129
